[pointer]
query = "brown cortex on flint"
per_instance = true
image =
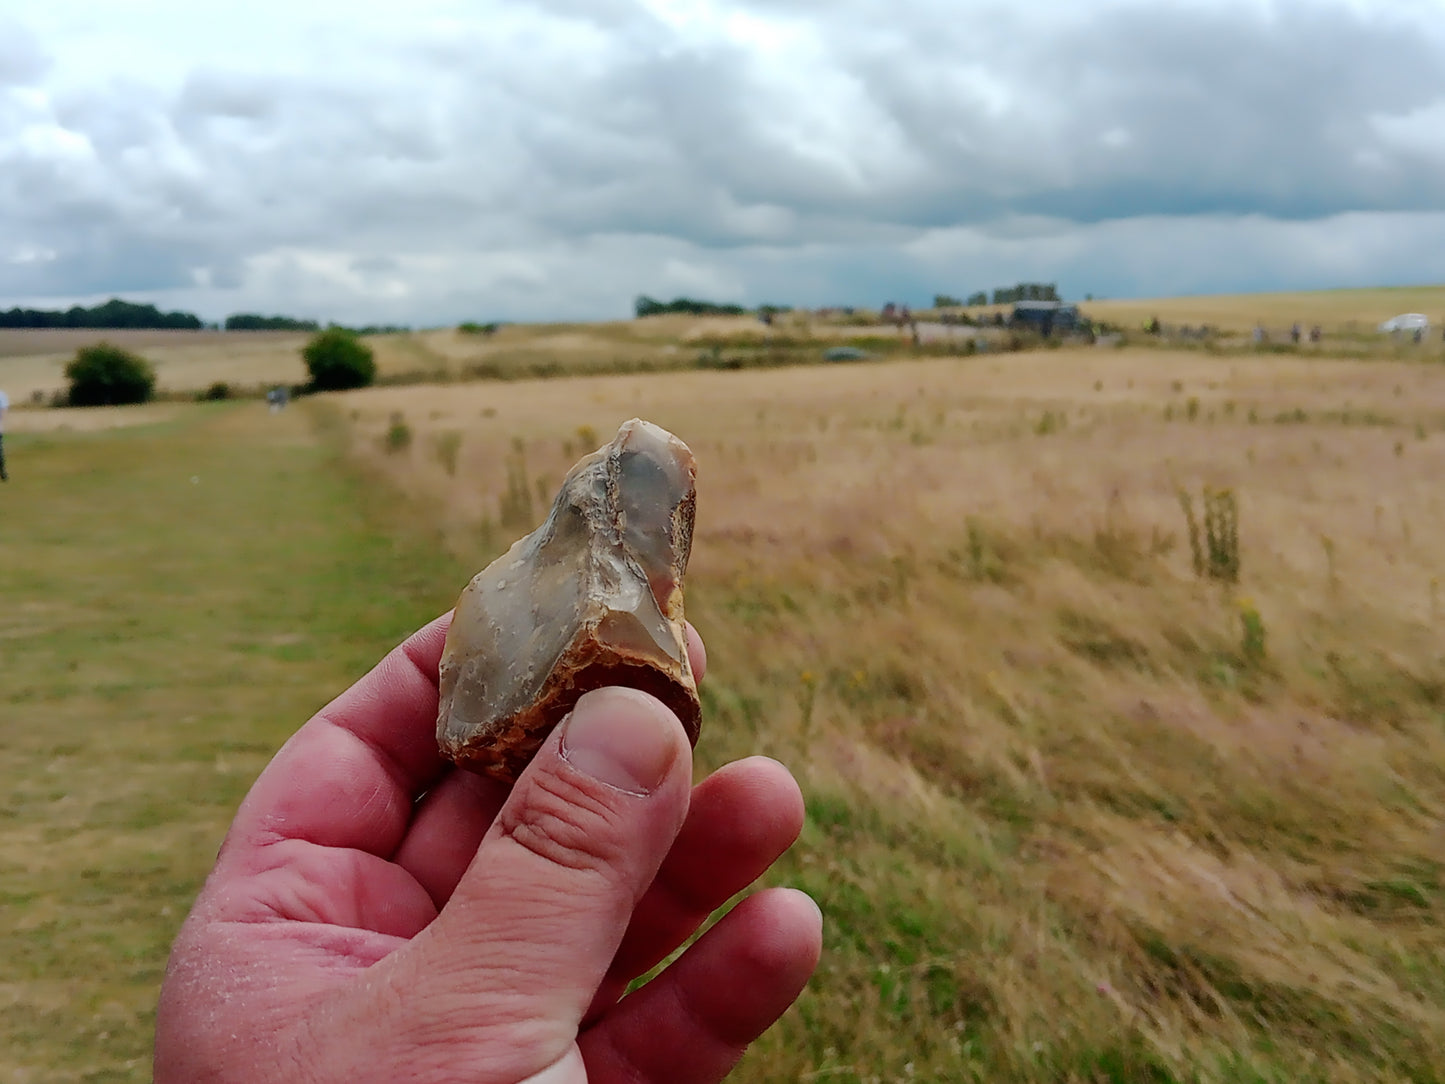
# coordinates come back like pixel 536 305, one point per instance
pixel 592 597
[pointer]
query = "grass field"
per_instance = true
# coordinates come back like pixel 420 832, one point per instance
pixel 1075 813
pixel 33 361
pixel 178 597
pixel 187 362
pixel 1336 311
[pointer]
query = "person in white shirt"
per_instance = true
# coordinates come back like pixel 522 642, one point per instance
pixel 4 406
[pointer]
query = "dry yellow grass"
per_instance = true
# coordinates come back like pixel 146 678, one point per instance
pixel 657 342
pixel 1067 822
pixel 33 361
pixel 89 419
pixel 1337 311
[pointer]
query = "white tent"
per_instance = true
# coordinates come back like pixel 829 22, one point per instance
pixel 1409 321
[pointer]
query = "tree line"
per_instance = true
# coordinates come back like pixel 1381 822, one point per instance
pixel 114 313
pixel 1002 295
pixel 650 306
pixel 249 321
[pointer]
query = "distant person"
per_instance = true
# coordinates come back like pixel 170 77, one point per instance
pixel 276 399
pixel 4 406
pixel 1294 332
pixel 1259 335
pixel 1316 333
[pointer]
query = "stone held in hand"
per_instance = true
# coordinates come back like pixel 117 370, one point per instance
pixel 592 597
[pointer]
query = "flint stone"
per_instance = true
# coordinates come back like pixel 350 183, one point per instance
pixel 592 597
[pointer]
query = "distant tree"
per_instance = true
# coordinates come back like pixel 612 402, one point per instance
pixel 980 298
pixel 106 375
pixel 113 314
pixel 372 329
pixel 471 327
pixel 1026 291
pixel 650 306
pixel 337 360
pixel 247 321
pixel 943 301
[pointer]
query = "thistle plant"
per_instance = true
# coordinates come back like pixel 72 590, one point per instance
pixel 1215 549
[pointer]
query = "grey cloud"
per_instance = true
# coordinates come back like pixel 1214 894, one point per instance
pixel 124 262
pixel 599 140
pixel 207 94
pixel 1219 110
pixel 375 265
pixel 22 59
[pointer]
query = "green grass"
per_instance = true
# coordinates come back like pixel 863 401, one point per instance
pixel 177 599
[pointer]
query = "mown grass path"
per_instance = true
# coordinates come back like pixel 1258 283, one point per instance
pixel 174 601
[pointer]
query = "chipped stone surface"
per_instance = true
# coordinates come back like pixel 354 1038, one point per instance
pixel 592 597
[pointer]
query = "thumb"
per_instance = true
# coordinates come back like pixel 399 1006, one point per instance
pixel 532 928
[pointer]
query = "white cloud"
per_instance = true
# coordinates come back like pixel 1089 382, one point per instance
pixel 442 159
pixel 1419 131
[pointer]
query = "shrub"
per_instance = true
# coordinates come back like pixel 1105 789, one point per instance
pixel 1218 555
pixel 219 390
pixel 398 434
pixel 337 360
pixel 106 375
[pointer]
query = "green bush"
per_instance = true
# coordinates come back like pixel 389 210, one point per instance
pixel 337 360
pixel 106 375
pixel 398 434
pixel 219 390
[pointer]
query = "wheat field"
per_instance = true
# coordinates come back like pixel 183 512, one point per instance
pixel 1336 311
pixel 1076 812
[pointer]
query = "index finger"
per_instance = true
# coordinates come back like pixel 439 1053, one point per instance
pixel 349 777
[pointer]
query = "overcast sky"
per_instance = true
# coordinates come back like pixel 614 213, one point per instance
pixel 432 161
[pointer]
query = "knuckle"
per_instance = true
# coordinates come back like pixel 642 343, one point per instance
pixel 566 823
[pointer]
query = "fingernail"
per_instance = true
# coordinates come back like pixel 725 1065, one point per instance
pixel 621 737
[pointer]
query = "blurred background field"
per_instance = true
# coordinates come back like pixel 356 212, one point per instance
pixel 32 362
pixel 1093 795
pixel 1078 813
pixel 1336 311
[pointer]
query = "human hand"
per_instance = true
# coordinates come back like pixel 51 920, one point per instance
pixel 375 915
